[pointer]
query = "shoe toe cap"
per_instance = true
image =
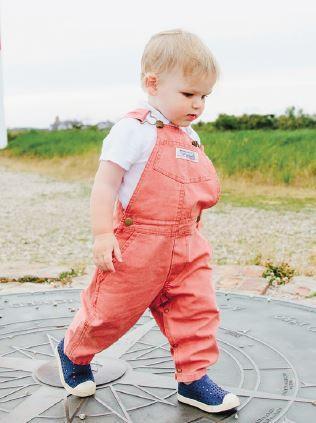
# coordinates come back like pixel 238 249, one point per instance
pixel 85 389
pixel 231 399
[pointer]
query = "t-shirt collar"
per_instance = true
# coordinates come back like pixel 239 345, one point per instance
pixel 157 115
pixel 154 113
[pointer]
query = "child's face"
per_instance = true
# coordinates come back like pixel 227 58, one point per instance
pixel 179 99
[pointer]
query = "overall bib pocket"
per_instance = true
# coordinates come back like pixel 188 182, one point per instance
pixel 183 163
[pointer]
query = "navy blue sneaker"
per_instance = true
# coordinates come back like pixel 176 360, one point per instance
pixel 77 379
pixel 206 395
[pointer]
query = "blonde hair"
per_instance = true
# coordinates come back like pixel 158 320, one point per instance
pixel 180 49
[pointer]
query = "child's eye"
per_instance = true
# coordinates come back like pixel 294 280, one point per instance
pixel 190 95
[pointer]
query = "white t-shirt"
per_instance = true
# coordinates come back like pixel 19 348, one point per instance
pixel 130 143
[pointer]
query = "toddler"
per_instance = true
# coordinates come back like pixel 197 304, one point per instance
pixel 148 248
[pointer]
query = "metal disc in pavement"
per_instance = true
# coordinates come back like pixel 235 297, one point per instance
pixel 267 357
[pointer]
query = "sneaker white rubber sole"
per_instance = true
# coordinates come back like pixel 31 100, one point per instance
pixel 230 401
pixel 84 389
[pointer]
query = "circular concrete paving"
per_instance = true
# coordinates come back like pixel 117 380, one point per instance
pixel 267 357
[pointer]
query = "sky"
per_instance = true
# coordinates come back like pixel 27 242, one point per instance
pixel 81 59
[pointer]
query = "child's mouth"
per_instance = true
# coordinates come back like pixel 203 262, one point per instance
pixel 191 116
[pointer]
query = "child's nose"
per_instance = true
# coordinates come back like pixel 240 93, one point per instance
pixel 197 103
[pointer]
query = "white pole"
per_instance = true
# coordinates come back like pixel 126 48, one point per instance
pixel 3 131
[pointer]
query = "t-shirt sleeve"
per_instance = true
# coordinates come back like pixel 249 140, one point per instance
pixel 123 144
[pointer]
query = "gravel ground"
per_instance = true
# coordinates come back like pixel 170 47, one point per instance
pixel 47 221
pixel 240 234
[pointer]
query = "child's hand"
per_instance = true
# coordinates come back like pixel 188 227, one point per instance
pixel 103 247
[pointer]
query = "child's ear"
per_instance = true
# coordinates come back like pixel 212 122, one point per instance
pixel 151 83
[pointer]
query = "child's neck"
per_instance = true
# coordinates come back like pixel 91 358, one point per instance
pixel 152 104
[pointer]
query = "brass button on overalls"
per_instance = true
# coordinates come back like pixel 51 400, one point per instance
pixel 159 124
pixel 128 221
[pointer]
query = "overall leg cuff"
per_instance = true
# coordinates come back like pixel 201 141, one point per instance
pixel 76 360
pixel 189 377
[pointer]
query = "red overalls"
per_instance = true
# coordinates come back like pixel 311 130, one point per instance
pixel 165 261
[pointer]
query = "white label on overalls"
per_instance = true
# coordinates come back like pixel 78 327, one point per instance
pixel 182 153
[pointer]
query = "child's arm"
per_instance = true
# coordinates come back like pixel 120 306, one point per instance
pixel 103 196
pixel 107 182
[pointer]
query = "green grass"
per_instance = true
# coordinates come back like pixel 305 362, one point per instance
pixel 48 144
pixel 262 156
pixel 276 156
pixel 266 202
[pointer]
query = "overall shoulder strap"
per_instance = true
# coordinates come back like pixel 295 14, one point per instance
pixel 139 114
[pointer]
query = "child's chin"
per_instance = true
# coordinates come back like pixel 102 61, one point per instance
pixel 181 122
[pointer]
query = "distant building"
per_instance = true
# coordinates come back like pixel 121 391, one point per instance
pixel 59 125
pixel 104 125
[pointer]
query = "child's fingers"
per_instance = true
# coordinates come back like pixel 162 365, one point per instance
pixel 105 263
pixel 117 252
pixel 104 251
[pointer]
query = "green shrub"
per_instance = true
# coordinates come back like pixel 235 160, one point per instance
pixel 290 120
pixel 226 122
pixel 278 274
